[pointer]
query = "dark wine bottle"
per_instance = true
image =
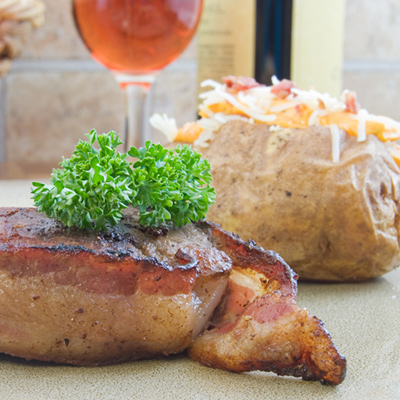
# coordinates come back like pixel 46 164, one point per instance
pixel 273 40
pixel 301 40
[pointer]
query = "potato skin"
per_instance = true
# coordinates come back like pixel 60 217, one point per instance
pixel 329 221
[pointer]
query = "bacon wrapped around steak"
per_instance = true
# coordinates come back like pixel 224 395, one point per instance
pixel 90 298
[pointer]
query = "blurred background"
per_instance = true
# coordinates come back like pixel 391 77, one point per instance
pixel 55 92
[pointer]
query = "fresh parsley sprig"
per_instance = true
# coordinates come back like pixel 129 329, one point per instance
pixel 171 184
pixel 95 185
pixel 92 188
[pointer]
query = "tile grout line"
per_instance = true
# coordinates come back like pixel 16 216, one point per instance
pixel 84 66
pixel 89 65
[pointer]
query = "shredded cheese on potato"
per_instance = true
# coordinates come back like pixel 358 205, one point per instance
pixel 281 105
pixel 335 142
pixel 165 125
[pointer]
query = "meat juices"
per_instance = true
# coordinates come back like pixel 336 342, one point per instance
pixel 91 298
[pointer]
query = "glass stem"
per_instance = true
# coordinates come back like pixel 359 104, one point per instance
pixel 137 94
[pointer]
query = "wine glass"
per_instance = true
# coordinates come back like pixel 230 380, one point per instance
pixel 135 39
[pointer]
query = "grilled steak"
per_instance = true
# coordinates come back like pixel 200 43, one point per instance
pixel 90 298
pixel 85 298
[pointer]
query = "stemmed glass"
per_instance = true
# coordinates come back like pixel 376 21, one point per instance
pixel 135 39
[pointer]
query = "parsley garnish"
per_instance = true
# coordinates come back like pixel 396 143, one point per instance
pixel 171 184
pixel 95 185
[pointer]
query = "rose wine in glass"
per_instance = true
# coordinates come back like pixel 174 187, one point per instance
pixel 135 39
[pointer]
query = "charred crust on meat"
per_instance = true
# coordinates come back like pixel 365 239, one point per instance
pixel 64 248
pixel 112 236
pixel 128 237
pixel 247 250
pixel 251 243
pixel 151 262
pixel 153 231
pixel 118 253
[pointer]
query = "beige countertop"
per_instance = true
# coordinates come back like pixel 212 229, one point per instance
pixel 363 319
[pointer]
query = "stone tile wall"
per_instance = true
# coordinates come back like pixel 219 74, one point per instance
pixel 372 54
pixel 55 92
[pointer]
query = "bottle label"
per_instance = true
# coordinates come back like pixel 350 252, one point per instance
pixel 226 39
pixel 317 45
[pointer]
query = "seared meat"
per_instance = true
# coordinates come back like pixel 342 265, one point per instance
pixel 258 325
pixel 78 297
pixel 87 298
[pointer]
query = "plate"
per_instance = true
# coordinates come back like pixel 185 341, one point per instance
pixel 363 319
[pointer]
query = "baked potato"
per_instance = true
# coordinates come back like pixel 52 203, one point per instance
pixel 309 176
pixel 331 221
